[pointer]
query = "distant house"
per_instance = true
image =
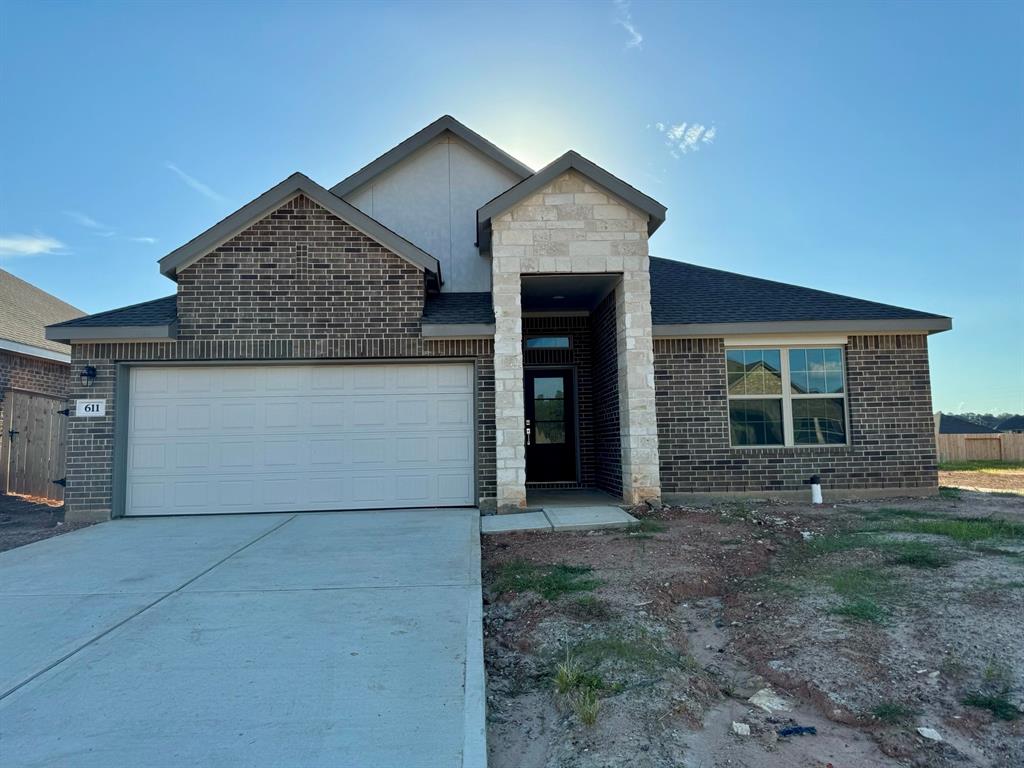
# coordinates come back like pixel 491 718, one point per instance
pixel 954 425
pixel 34 374
pixel 1012 424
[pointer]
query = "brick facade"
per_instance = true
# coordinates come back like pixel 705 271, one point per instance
pixel 607 441
pixel 300 273
pixel 892 440
pixel 33 374
pixel 298 285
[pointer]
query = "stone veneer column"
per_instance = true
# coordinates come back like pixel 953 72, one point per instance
pixel 509 404
pixel 638 418
pixel 572 226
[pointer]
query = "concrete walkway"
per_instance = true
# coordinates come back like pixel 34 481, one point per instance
pixel 559 518
pixel 325 639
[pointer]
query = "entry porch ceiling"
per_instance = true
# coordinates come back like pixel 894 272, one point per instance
pixel 568 293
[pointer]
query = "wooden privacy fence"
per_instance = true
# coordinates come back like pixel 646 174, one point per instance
pixel 1004 446
pixel 32 445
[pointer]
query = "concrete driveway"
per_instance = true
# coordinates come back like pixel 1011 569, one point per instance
pixel 322 639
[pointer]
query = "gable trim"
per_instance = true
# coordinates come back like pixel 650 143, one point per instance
pixel 274 198
pixel 570 160
pixel 419 140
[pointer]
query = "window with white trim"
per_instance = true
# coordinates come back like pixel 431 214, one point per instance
pixel 786 396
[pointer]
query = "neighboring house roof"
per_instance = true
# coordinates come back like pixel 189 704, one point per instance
pixel 419 140
pixel 1012 424
pixel 272 199
pixel 458 315
pixel 25 311
pixel 595 173
pixel 151 319
pixel 954 425
pixel 688 299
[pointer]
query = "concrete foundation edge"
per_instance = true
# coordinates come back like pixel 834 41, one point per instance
pixel 838 494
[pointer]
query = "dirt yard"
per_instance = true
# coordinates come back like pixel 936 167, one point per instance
pixel 23 521
pixel 991 476
pixel 862 621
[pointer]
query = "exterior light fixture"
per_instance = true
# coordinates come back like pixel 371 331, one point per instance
pixel 87 376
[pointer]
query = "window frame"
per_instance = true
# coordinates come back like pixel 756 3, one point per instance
pixel 787 395
pixel 531 336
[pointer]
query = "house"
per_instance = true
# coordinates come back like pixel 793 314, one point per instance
pixel 447 326
pixel 954 425
pixel 34 374
pixel 1011 424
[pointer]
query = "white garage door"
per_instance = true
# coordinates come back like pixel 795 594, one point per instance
pixel 275 438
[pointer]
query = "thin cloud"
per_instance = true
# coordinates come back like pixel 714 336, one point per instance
pixel 28 245
pixel 195 183
pixel 85 220
pixel 102 230
pixel 683 138
pixel 624 18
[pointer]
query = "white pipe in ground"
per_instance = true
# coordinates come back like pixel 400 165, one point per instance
pixel 815 489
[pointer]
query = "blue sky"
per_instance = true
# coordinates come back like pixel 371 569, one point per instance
pixel 871 149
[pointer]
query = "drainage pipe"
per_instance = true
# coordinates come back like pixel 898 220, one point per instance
pixel 815 482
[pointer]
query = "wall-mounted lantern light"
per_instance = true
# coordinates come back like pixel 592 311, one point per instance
pixel 88 376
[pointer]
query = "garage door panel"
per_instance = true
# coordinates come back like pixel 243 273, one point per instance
pixel 292 438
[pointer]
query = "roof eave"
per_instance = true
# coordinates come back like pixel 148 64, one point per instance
pixel 419 140
pixel 31 350
pixel 78 334
pixel 273 198
pixel 903 325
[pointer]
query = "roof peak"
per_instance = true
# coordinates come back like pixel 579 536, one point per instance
pixel 419 140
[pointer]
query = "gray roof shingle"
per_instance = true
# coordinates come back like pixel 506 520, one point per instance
pixel 954 425
pixel 25 311
pixel 156 312
pixel 458 308
pixel 684 293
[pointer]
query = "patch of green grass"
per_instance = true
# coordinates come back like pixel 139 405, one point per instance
pixel 894 513
pixel 862 609
pixel 946 492
pixel 892 712
pixel 861 582
pixel 586 705
pixel 548 581
pixel 980 466
pixel 568 674
pixel 637 651
pixel 588 608
pixel 648 527
pixel 961 530
pixel 998 704
pixel 581 688
pixel 917 554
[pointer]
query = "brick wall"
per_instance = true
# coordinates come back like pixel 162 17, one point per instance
pixel 891 427
pixel 607 444
pixel 34 374
pixel 579 357
pixel 298 285
pixel 300 273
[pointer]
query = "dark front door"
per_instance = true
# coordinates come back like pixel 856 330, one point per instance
pixel 550 426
